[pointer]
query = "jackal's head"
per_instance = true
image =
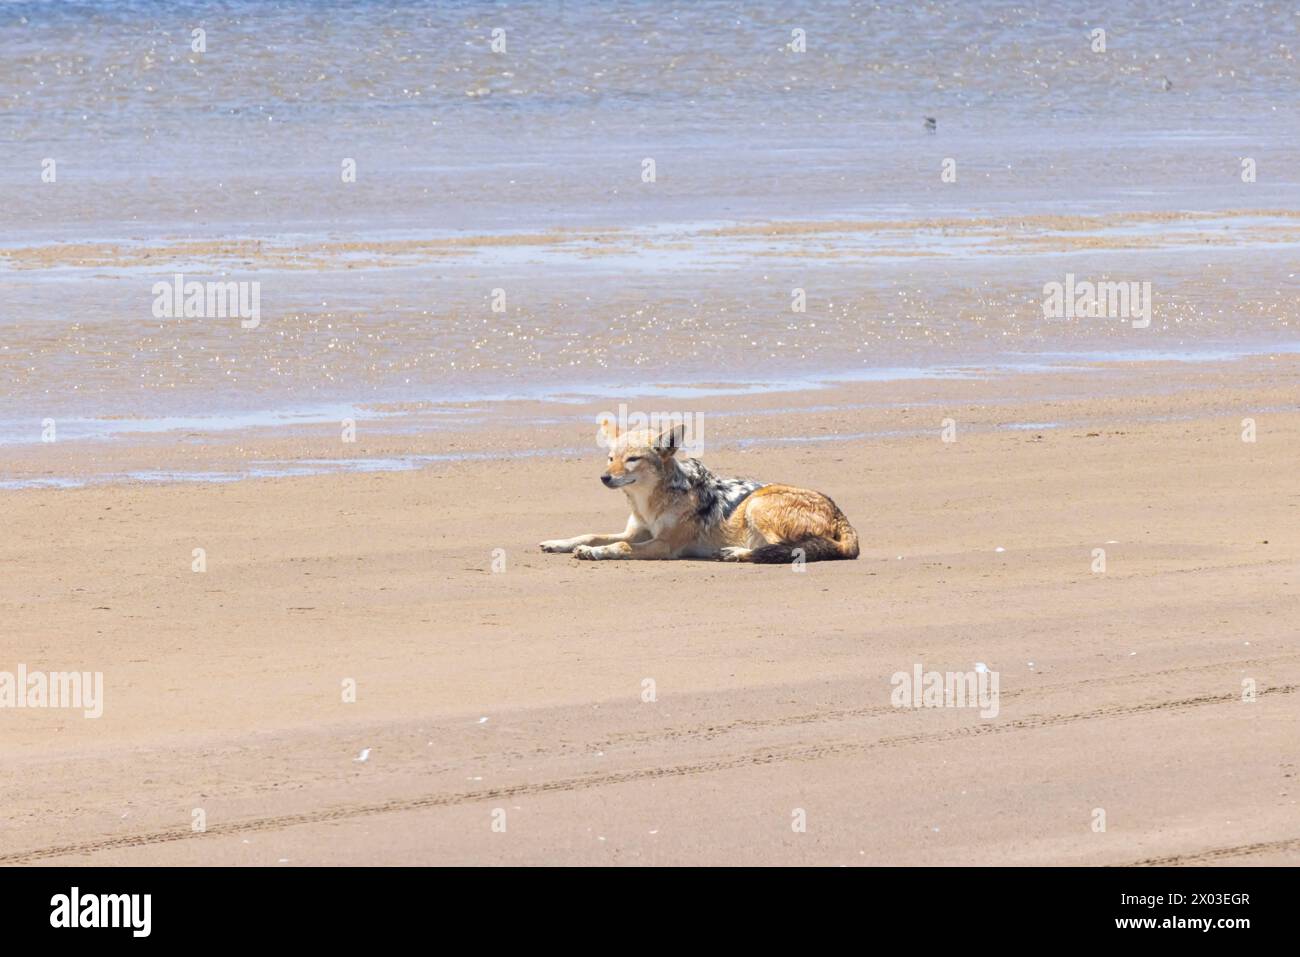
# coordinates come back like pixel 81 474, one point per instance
pixel 642 457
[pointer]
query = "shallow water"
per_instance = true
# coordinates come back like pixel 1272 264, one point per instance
pixel 522 171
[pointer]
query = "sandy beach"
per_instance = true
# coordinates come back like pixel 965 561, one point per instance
pixel 308 312
pixel 521 691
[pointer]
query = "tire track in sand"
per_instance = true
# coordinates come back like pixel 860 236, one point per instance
pixel 759 758
pixel 1219 854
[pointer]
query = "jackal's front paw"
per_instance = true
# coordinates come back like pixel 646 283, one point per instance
pixel 735 554
pixel 595 553
pixel 556 545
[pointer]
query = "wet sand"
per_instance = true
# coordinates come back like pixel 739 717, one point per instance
pixel 379 319
pixel 521 691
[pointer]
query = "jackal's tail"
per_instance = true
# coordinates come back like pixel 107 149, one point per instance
pixel 842 543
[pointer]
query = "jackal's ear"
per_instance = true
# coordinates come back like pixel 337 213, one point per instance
pixel 608 433
pixel 670 440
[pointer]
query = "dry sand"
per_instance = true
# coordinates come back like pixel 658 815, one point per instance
pixel 522 690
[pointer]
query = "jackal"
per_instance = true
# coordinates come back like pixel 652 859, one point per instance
pixel 682 510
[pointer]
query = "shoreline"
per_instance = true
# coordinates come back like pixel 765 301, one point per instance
pixel 406 416
pixel 350 326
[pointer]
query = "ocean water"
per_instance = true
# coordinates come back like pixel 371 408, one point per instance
pixel 501 237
